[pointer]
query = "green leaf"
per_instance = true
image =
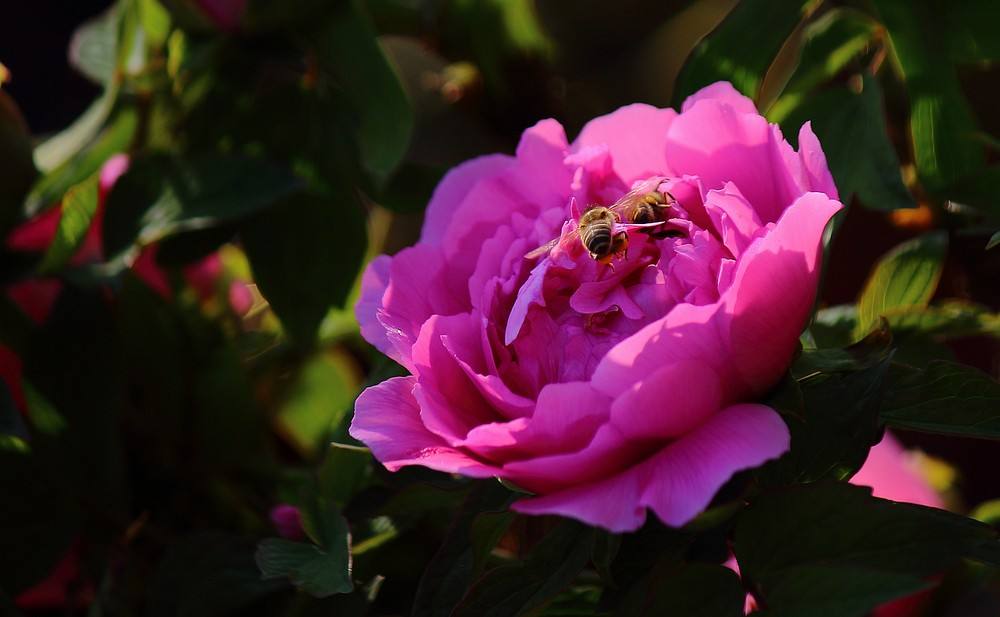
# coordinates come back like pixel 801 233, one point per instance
pixel 907 276
pixel 833 549
pixel 449 574
pixel 320 396
pixel 94 47
pixel 829 45
pixel 320 571
pixel 689 589
pixel 831 412
pixel 304 253
pixel 946 398
pixel 350 51
pixel 740 50
pixel 970 31
pixel 206 575
pixel 851 127
pixel 343 472
pixel 77 153
pixel 515 589
pixel 942 125
pixel 994 241
pixel 159 196
pixel 79 206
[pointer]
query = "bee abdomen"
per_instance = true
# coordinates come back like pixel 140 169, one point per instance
pixel 597 239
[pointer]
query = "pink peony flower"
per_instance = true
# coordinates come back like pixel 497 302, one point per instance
pixel 604 390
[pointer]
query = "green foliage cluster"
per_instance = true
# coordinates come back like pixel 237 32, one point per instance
pixel 146 434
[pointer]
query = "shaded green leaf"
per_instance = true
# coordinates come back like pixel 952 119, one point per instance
pixel 79 206
pixel 851 127
pixel 321 240
pixel 94 47
pixel 159 196
pixel 942 125
pixel 308 567
pixel 350 51
pixel 994 240
pixel 970 31
pixel 831 548
pixel 515 589
pixel 18 170
pixel 739 50
pixel 907 276
pixel 689 589
pixel 944 397
pixel 343 472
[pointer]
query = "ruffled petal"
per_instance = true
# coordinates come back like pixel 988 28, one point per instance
pixel 453 189
pixel 772 293
pixel 635 136
pixel 387 420
pixel 722 92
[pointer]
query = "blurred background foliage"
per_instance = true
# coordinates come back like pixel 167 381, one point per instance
pixel 189 192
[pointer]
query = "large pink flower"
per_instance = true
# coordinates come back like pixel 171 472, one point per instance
pixel 605 391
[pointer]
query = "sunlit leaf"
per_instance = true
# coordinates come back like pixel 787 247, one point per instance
pixel 994 240
pixel 942 125
pixel 740 50
pixel 93 48
pixel 320 396
pixel 907 276
pixel 79 206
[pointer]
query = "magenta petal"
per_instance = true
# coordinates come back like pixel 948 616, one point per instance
pixel 814 163
pixel 612 503
pixel 719 144
pixel 723 92
pixel 387 420
pixel 680 481
pixel 669 402
pixel 733 218
pixel 635 136
pixel 453 189
pixel 374 282
pixel 773 291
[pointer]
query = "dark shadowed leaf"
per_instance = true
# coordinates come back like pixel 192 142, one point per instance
pixel 18 170
pixel 689 589
pixel 343 472
pixel 304 253
pixel 942 125
pixel 350 51
pixel 907 276
pixel 851 127
pixel 970 31
pixel 161 195
pixel 206 575
pixel 515 589
pixel 944 397
pixel 831 548
pixel 321 569
pixel 740 50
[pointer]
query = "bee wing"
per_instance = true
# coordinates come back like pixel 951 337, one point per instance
pixel 542 250
pixel 627 202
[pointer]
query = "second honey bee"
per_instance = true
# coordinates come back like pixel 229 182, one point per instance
pixel 603 230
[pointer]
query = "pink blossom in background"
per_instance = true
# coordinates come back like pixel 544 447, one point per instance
pixel 225 14
pixel 891 473
pixel 605 392
pixel 287 521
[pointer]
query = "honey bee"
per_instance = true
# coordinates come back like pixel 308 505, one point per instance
pixel 603 230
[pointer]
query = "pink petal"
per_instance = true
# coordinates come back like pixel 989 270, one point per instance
pixel 681 479
pixel 530 293
pixel 453 189
pixel 387 420
pixel 723 92
pixel 669 402
pixel 374 282
pixel 635 136
pixel 773 291
pixel 814 163
pixel 893 474
pixel 732 217
pixel 450 404
pixel 719 144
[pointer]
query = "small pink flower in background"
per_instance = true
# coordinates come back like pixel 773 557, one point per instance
pixel 604 391
pixel 891 473
pixel 225 14
pixel 287 521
